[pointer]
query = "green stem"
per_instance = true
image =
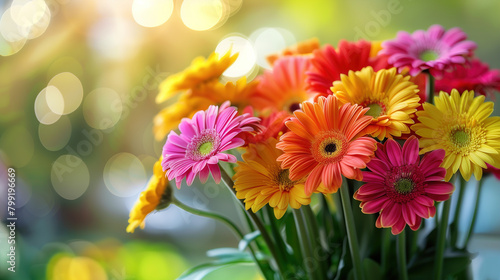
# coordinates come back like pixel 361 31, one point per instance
pixel 208 214
pixel 315 239
pixel 304 244
pixel 456 218
pixel 430 88
pixel 351 230
pixel 403 272
pixel 263 232
pixel 386 246
pixel 441 242
pixel 282 253
pixel 474 214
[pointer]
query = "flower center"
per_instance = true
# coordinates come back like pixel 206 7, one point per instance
pixel 203 145
pixel 404 185
pixel 283 180
pixel 375 110
pixel 329 147
pixel 460 137
pixel 205 148
pixel 428 55
pixel 294 106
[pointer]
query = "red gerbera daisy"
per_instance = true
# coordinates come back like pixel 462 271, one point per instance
pixel 328 63
pixel 402 187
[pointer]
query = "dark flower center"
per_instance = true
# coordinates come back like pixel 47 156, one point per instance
pixel 330 148
pixel 294 107
pixel 284 181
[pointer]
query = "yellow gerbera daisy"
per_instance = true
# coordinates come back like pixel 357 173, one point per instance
pixel 157 195
pixel 260 180
pixel 460 124
pixel 391 97
pixel 192 101
pixel 199 72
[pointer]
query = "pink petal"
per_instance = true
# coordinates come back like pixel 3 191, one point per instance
pixel 214 169
pixel 204 174
pixel 409 215
pixel 373 206
pixel 391 214
pixel 410 150
pixel 394 152
pixel 439 188
pixel 398 227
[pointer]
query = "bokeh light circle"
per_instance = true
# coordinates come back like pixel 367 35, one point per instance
pixel 31 16
pixel 152 13
pixel 245 63
pixel 201 15
pixel 70 89
pixel 124 175
pixel 70 176
pixel 233 6
pixel 9 29
pixel 268 41
pixel 49 105
pixel 17 143
pixel 55 136
pixel 9 48
pixel 102 108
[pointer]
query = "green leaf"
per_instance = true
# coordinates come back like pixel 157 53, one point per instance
pixel 228 253
pixel 224 257
pixel 200 271
pixel 371 270
pixel 247 239
pixel 455 262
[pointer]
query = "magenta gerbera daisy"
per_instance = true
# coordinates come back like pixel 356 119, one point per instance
pixel 403 187
pixel 202 141
pixel 474 75
pixel 434 50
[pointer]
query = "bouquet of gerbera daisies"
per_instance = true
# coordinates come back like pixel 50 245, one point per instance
pixel 390 127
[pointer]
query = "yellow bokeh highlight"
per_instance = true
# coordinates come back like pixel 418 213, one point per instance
pixel 201 15
pixel 66 267
pixel 152 13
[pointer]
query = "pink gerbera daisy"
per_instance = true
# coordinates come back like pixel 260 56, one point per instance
pixel 328 63
pixel 475 76
pixel 200 145
pixel 434 50
pixel 403 187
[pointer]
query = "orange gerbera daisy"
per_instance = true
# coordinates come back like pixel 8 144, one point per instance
pixel 260 180
pixel 301 48
pixel 324 143
pixel 283 88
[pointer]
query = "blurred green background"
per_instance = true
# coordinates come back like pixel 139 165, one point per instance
pixel 77 86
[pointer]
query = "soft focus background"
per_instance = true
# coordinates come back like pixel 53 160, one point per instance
pixel 78 80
